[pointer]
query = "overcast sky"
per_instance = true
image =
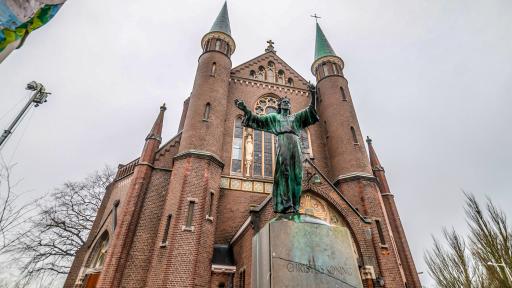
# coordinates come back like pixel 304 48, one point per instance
pixel 430 80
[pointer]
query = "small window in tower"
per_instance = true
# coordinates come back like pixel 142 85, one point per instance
pixel 381 234
pixel 222 285
pixel 343 96
pixel 190 214
pixel 166 230
pixel 318 94
pixel 334 68
pixel 354 135
pixel 207 45
pixel 206 115
pixel 252 74
pixel 290 82
pixel 210 206
pixel 326 69
pixel 214 68
pixel 218 43
pixel 236 150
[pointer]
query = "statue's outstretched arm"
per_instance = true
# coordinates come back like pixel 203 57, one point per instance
pixel 241 105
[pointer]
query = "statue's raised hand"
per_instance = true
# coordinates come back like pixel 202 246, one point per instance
pixel 241 105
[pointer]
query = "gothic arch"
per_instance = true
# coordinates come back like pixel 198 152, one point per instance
pixel 99 252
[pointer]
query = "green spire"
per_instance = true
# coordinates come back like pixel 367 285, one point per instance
pixel 221 24
pixel 322 46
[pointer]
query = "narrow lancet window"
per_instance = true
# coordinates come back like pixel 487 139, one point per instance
pixel 326 69
pixel 218 42
pixel 206 115
pixel 343 96
pixel 166 229
pixel 381 234
pixel 210 206
pixel 190 214
pixel 334 68
pixel 236 151
pixel 354 135
pixel 114 215
pixel 214 68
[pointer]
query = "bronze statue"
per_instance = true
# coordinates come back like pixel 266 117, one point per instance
pixel 288 171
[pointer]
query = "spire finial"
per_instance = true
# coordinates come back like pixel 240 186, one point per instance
pixel 316 17
pixel 374 160
pixel 270 47
pixel 156 130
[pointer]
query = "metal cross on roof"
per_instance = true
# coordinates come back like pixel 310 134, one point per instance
pixel 270 47
pixel 316 17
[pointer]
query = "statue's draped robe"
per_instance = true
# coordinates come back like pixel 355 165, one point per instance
pixel 288 172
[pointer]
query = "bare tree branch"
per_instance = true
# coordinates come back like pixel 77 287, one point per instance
pixel 50 242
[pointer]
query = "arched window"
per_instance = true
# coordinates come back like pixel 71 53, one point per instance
pixel 290 82
pixel 214 67
pixel 100 251
pixel 354 135
pixel 236 152
pixel 206 115
pixel 261 73
pixel 222 285
pixel 280 76
pixel 252 74
pixel 271 72
pixel 218 43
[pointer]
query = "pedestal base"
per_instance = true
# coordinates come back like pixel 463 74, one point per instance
pixel 302 251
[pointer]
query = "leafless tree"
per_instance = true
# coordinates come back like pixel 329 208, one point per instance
pixel 471 262
pixel 13 213
pixel 50 242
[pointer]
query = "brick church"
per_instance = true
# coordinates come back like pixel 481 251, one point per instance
pixel 183 214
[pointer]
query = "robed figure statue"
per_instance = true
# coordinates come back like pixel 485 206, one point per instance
pixel 288 170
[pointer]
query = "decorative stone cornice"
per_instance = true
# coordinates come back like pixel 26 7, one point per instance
pixel 354 176
pixel 202 155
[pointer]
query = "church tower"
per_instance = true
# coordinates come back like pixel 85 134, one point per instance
pixel 350 169
pixel 190 207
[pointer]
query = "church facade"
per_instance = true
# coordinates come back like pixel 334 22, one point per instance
pixel 184 213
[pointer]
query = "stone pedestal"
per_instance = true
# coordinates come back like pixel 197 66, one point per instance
pixel 303 251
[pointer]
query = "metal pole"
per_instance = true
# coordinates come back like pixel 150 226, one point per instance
pixel 39 97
